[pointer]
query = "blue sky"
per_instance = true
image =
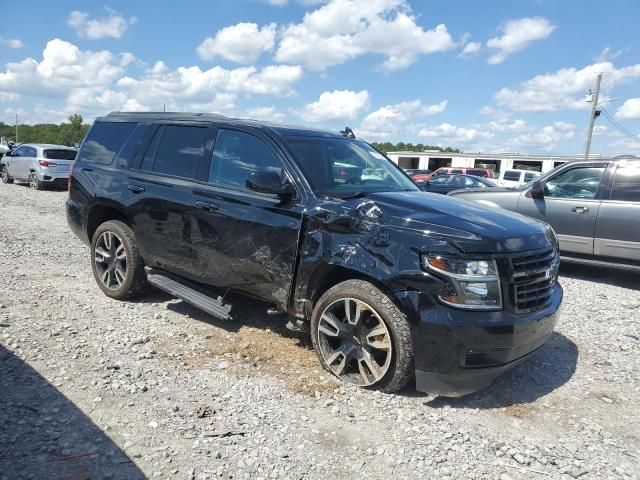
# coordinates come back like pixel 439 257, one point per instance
pixel 486 76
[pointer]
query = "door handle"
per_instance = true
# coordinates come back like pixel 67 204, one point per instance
pixel 580 209
pixel 86 169
pixel 206 206
pixel 136 188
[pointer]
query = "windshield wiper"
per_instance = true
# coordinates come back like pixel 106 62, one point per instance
pixel 354 195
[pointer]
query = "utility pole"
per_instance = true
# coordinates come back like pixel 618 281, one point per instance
pixel 594 114
pixel 16 128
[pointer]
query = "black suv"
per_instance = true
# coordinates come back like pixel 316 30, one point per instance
pixel 390 282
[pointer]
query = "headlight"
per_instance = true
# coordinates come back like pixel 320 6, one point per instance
pixel 476 282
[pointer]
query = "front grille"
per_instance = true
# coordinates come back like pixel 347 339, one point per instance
pixel 533 276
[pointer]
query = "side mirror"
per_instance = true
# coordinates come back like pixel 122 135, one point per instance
pixel 536 190
pixel 267 181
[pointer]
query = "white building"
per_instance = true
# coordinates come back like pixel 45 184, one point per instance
pixel 433 159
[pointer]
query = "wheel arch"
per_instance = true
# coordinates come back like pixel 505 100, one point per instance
pixel 328 275
pixel 98 214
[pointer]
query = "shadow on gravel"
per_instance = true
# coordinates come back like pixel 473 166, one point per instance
pixel 547 370
pixel 44 435
pixel 246 312
pixel 620 276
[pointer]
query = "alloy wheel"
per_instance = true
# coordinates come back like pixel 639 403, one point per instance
pixel 5 175
pixel 33 181
pixel 110 259
pixel 355 342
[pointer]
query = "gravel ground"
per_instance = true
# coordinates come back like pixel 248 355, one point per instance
pixel 95 388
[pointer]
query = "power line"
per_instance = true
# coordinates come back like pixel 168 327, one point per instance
pixel 619 127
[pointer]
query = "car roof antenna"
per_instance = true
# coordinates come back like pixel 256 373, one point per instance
pixel 348 133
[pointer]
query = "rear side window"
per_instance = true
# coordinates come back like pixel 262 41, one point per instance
pixel 237 154
pixel 59 154
pixel 626 185
pixel 512 175
pixel 478 172
pixel 103 142
pixel 179 151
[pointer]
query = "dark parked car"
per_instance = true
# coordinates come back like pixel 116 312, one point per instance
pixel 445 183
pixel 417 171
pixel 593 206
pixel 389 281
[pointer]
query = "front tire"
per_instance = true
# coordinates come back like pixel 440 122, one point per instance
pixel 6 179
pixel 117 265
pixel 362 338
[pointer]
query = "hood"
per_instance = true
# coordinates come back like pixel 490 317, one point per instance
pixel 469 226
pixel 480 189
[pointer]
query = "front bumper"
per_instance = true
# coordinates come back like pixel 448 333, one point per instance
pixel 458 352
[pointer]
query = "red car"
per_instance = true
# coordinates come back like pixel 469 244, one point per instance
pixel 478 172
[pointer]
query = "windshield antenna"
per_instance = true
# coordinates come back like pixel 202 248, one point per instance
pixel 348 133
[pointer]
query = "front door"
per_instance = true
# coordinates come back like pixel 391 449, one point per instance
pixel 242 239
pixel 570 205
pixel 618 225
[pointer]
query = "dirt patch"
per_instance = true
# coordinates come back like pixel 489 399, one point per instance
pixel 520 410
pixel 252 351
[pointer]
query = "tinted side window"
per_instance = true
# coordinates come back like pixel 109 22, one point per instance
pixel 32 152
pixel 179 151
pixel 530 176
pixel 19 152
pixel 237 154
pixel 103 142
pixel 626 185
pixel 575 183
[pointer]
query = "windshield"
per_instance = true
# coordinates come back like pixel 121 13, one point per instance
pixel 60 154
pixel 338 167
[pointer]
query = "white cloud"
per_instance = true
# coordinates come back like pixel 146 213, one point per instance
pixel 629 109
pixel 114 25
pixel 11 42
pixel 470 48
pixel 344 29
pixel 336 105
pixel 92 83
pixel 545 138
pixel 392 122
pixel 270 114
pixel 517 35
pixel 454 135
pixel 195 84
pixel 9 97
pixel 624 146
pixel 609 55
pixel 563 89
pixel 63 67
pixel 242 43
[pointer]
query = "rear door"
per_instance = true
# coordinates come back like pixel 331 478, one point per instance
pixel 570 205
pixel 618 225
pixel 160 193
pixel 243 239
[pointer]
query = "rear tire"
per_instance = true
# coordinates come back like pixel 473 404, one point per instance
pixel 6 179
pixel 362 337
pixel 117 265
pixel 34 183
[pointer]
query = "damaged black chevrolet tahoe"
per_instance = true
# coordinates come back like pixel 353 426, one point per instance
pixel 391 282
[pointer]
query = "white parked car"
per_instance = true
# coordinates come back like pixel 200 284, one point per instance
pixel 38 164
pixel 514 177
